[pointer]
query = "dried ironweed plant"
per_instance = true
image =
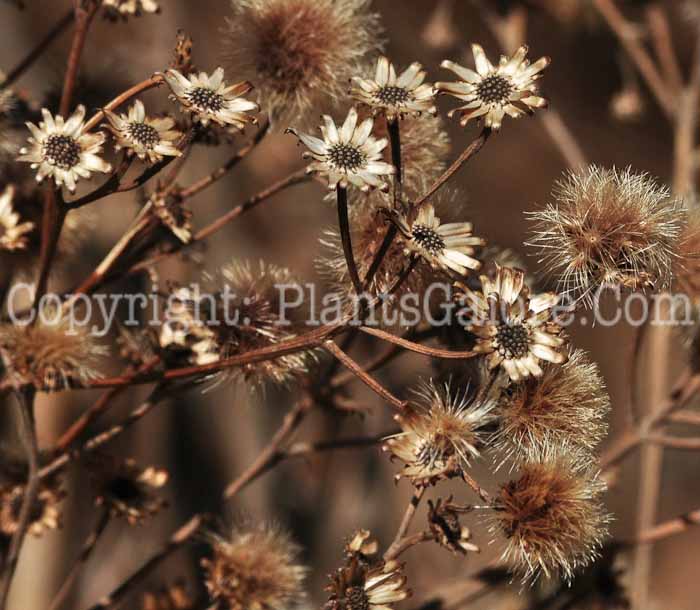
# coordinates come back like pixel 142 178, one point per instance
pixel 277 333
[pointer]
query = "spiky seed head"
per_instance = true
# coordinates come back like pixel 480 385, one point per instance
pixel 300 54
pixel 251 316
pixel 551 516
pixel 567 405
pixel 441 432
pixel 254 568
pixel 608 226
pixel 52 354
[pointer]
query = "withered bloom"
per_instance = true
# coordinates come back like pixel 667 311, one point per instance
pixel 52 354
pixel 255 568
pixel 363 546
pixel 440 433
pixel 63 150
pixel 551 515
pixel 494 91
pixel 13 233
pixel 125 489
pixel 443 518
pixel 686 265
pixel 608 226
pixel 358 587
pixel 150 139
pixel 347 155
pixel 568 404
pixel 395 96
pixel 515 330
pixel 44 515
pixel 300 54
pixel 449 246
pixel 209 99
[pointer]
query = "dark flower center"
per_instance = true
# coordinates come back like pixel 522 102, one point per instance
pixel 346 157
pixel 428 239
pixel 356 598
pixel 513 340
pixel 144 134
pixel 392 96
pixel 62 151
pixel 206 99
pixel 494 89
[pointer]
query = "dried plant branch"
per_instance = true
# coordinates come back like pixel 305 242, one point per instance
pixel 85 552
pixel 26 63
pixel 396 547
pixel 662 38
pixel 417 347
pixel 344 226
pixel 25 402
pixel 369 381
pixel 669 528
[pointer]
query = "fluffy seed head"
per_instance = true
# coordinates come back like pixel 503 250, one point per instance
pixel 250 318
pixel 440 432
pixel 551 515
pixel 256 568
pixel 300 54
pixel 567 405
pixel 608 227
pixel 51 354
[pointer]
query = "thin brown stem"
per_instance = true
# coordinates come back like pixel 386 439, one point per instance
pixel 289 425
pixel 396 546
pixel 88 547
pixel 468 153
pixel 369 381
pixel 662 38
pixel 38 50
pixel 630 41
pixel 184 534
pixel 25 403
pixel 344 227
pixel 83 19
pixel 417 347
pixel 669 528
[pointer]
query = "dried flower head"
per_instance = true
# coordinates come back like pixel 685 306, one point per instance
pixel 63 149
pixel 568 404
pixel 53 353
pixel 349 155
pixel 300 53
pixel 440 433
pixel 362 546
pixel 494 91
pixel 184 331
pixel 44 515
pixel 251 316
pixel 608 227
pixel 256 568
pixel 395 96
pixel 13 233
pixel 515 330
pixel 126 489
pixel 128 8
pixel 449 246
pixel 443 518
pixel 209 99
pixel 360 587
pixel 149 139
pixel 551 515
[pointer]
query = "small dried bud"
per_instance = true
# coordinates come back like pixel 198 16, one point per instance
pixel 358 587
pixel 443 518
pixel 363 546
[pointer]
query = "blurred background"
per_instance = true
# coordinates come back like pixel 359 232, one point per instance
pixel 206 440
